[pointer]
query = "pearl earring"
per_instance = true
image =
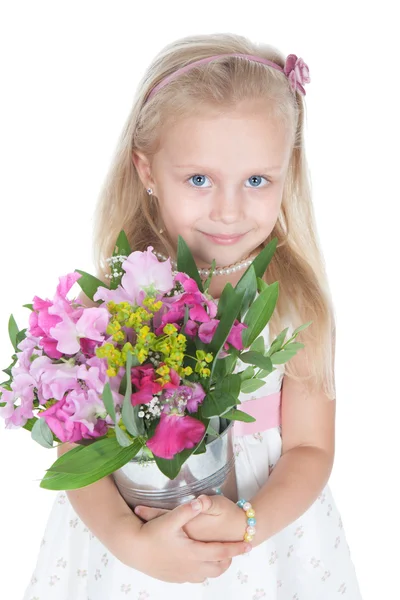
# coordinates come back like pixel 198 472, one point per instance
pixel 161 231
pixel 149 191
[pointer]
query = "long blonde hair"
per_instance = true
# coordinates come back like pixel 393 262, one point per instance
pixel 298 263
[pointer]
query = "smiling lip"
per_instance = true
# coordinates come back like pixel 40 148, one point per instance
pixel 224 238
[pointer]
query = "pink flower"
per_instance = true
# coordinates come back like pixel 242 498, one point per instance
pixel 207 330
pixel 41 319
pixel 53 380
pixel 297 72
pixel 197 395
pixel 92 324
pixel 175 433
pixel 144 275
pixel 62 417
pixel 17 416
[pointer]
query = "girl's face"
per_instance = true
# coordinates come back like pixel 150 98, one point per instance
pixel 219 180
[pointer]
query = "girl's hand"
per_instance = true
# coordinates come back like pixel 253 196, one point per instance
pixel 221 520
pixel 162 549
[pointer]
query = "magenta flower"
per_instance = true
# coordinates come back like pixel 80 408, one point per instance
pixel 207 330
pixel 235 335
pixel 143 378
pixel 201 309
pixel 175 433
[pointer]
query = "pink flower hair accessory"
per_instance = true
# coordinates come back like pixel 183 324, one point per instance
pixel 295 69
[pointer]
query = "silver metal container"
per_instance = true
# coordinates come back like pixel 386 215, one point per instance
pixel 141 482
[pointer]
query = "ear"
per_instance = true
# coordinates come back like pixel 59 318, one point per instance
pixel 143 168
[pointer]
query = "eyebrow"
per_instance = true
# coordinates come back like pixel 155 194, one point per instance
pixel 202 168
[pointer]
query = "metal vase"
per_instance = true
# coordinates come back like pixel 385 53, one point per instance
pixel 213 472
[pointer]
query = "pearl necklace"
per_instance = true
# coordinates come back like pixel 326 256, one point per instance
pixel 218 271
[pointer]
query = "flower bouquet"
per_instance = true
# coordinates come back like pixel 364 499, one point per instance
pixel 145 377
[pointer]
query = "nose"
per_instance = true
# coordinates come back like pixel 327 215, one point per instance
pixel 227 206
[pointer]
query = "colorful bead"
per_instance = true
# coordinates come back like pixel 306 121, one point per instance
pixel 250 530
pixel 251 521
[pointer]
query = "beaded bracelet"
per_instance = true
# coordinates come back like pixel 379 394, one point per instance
pixel 251 521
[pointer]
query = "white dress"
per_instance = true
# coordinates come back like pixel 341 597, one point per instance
pixel 307 560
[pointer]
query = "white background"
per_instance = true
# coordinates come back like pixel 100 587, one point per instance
pixel 69 71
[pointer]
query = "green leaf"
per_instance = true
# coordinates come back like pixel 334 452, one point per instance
pixel 13 331
pixel 201 448
pixel 258 345
pixel 215 404
pixel 294 346
pixel 256 358
pixel 262 260
pixel 30 306
pixel 130 418
pixel 228 385
pixel 186 263
pixel 122 245
pixel 42 433
pixel 248 373
pixel 116 458
pixel 123 438
pixel 278 342
pixel 248 284
pixel 261 284
pixel 238 415
pixel 225 325
pixel 108 401
pixel 301 327
pixel 89 284
pixel 251 385
pixel 21 335
pixel 227 293
pixel 265 372
pixel 282 356
pixel 260 313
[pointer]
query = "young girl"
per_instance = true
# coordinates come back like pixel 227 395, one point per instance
pixel 213 150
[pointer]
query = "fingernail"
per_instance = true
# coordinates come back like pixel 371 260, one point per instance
pixel 196 505
pixel 248 548
pixel 137 510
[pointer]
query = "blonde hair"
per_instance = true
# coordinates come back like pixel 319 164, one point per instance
pixel 298 262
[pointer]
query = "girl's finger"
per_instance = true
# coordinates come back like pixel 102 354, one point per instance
pixel 147 513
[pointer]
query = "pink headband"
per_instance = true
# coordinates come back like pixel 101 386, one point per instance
pixel 295 70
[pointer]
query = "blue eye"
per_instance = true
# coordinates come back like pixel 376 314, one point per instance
pixel 197 177
pixel 200 179
pixel 257 178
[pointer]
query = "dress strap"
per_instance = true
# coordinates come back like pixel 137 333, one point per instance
pixel 266 410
